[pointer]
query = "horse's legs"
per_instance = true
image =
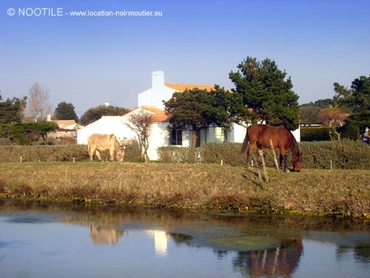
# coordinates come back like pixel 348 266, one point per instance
pixel 282 157
pixel 249 151
pixel 259 147
pixel 97 152
pixel 91 153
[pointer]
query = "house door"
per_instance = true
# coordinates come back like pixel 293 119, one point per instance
pixel 198 138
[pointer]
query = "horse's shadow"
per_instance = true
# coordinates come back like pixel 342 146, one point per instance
pixel 253 181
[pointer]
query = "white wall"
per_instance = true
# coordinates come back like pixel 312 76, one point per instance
pixel 207 135
pixel 238 132
pixel 159 137
pixel 116 125
pixel 106 125
pixel 297 134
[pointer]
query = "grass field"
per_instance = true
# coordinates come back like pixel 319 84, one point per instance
pixel 342 193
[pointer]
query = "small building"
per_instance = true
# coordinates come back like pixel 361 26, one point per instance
pixel 66 124
pixel 66 132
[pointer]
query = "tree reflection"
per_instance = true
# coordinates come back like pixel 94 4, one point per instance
pixel 362 254
pixel 279 261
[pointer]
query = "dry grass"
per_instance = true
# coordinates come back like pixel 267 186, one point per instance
pixel 313 192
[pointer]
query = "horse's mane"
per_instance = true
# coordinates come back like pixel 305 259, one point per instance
pixel 296 147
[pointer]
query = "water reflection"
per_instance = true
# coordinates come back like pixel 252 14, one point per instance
pixel 102 235
pixel 219 245
pixel 160 242
pixel 279 261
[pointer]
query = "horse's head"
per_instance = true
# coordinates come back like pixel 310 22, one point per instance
pixel 120 153
pixel 297 160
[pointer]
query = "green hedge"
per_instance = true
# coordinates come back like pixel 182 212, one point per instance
pixel 26 133
pixel 58 153
pixel 178 154
pixel 228 153
pixel 345 154
pixel 311 134
pixel 42 153
pixel 5 142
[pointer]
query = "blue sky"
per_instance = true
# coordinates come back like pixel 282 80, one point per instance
pixel 88 61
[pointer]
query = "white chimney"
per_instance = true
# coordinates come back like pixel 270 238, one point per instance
pixel 157 80
pixel 155 95
pixel 48 118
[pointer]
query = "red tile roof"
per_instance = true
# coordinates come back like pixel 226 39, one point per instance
pixel 64 123
pixel 159 115
pixel 183 87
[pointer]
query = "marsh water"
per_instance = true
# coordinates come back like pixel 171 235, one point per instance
pixel 46 240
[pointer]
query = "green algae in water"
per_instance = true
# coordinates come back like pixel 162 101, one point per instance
pixel 224 238
pixel 242 242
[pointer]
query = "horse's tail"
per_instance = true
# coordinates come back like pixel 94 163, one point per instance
pixel 245 143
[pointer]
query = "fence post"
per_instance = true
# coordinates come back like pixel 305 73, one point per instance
pixel 275 159
pixel 263 165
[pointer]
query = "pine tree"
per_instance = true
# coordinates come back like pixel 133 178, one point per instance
pixel 266 93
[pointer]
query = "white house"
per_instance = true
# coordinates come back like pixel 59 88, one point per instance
pixel 160 91
pixel 161 136
pixel 105 125
pixel 117 125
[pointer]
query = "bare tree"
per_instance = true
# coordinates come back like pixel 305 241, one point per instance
pixel 38 105
pixel 332 116
pixel 141 124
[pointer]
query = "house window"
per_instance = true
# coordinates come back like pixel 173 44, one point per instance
pixel 220 135
pixel 176 137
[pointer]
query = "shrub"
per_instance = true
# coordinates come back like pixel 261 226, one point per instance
pixel 344 154
pixel 57 153
pixel 228 153
pixel 310 134
pixel 43 153
pixel 349 131
pixel 26 133
pixel 132 153
pixel 178 154
pixel 5 142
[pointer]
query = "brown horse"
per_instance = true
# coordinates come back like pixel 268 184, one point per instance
pixel 281 138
